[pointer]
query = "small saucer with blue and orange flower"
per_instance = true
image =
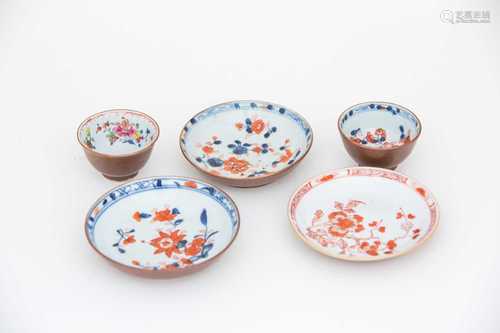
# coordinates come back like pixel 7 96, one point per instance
pixel 363 214
pixel 162 226
pixel 246 143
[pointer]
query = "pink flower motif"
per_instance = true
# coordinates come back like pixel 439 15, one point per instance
pixel 124 128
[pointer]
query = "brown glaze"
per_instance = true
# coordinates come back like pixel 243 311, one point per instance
pixel 163 273
pixel 381 157
pixel 119 167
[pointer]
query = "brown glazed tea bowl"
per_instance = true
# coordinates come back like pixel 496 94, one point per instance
pixel 246 143
pixel 379 134
pixel 118 142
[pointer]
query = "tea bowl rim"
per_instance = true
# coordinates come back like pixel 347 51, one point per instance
pixel 125 110
pixel 382 148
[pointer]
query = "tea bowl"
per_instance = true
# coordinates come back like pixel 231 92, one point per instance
pixel 246 143
pixel 162 227
pixel 118 142
pixel 379 134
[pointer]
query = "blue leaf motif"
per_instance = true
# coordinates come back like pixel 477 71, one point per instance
pixel 215 162
pixel 206 249
pixel 175 211
pixel 203 217
pixel 144 215
pixel 240 150
pixel 179 221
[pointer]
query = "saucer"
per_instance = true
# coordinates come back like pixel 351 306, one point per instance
pixel 363 214
pixel 162 226
pixel 246 143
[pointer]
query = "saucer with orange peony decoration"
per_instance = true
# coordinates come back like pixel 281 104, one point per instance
pixel 246 143
pixel 363 214
pixel 162 226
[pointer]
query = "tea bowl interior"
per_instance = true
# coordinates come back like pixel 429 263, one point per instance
pixel 379 125
pixel 245 139
pixel 164 224
pixel 117 132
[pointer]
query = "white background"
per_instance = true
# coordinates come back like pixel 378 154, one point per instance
pixel 63 60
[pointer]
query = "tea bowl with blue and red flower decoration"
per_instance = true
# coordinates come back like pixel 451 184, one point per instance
pixel 163 226
pixel 246 143
pixel 118 142
pixel 379 134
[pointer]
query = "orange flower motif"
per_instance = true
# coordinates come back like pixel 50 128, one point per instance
pixel 358 218
pixel 333 215
pixel 359 228
pixel 195 247
pixel 164 215
pixel 136 263
pixel 372 251
pixel 239 126
pixel 286 156
pixel 381 229
pixel 207 150
pixel 345 224
pixel 411 216
pixel 257 149
pixel 258 126
pixel 421 191
pixel 137 216
pixel 391 244
pixel 235 165
pixel 326 178
pixel 336 233
pixel 129 240
pixel 167 242
pixel 191 184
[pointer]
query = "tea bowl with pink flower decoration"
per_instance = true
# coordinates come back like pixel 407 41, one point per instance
pixel 379 134
pixel 118 142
